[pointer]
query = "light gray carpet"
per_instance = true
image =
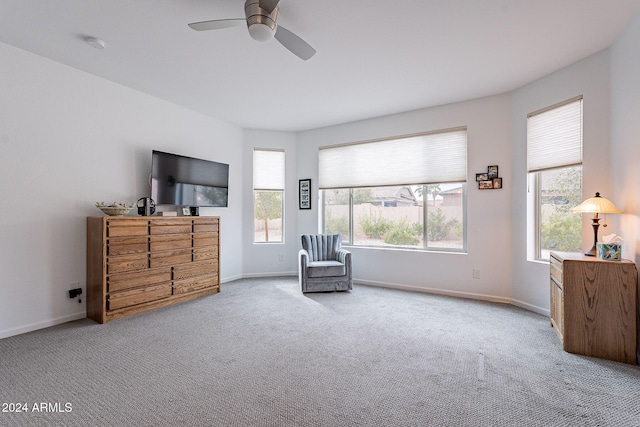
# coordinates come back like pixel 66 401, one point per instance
pixel 262 354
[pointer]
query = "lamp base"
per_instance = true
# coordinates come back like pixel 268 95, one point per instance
pixel 595 225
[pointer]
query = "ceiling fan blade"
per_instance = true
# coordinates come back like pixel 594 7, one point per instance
pixel 217 24
pixel 268 5
pixel 295 44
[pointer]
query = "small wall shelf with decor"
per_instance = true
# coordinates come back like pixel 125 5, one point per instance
pixel 489 180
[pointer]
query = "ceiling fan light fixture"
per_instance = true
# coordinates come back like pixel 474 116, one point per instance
pixel 261 32
pixel 261 24
pixel 261 21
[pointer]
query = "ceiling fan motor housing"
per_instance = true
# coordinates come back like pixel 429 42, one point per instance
pixel 261 24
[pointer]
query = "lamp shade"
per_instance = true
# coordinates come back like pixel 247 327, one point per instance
pixel 597 204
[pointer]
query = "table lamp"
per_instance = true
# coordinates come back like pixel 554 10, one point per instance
pixel 596 205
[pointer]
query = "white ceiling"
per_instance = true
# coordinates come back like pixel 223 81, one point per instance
pixel 373 57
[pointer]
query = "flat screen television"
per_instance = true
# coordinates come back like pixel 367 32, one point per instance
pixel 186 181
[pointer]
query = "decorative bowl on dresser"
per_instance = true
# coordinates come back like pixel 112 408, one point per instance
pixel 594 306
pixel 136 264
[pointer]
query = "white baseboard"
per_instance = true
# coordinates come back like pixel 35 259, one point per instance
pixel 457 294
pixel 280 274
pixel 230 278
pixel 530 307
pixel 41 325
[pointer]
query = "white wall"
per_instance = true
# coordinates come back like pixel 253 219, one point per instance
pixel 488 228
pixel 263 259
pixel 68 140
pixel 590 78
pixel 625 158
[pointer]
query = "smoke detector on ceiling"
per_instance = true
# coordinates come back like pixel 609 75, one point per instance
pixel 95 42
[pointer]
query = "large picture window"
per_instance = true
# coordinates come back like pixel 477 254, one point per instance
pixel 554 154
pixel 407 192
pixel 268 195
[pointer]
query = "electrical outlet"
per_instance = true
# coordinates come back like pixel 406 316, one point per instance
pixel 75 291
pixel 476 274
pixel 280 257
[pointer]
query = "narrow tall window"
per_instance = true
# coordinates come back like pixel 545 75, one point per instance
pixel 268 196
pixel 554 154
pixel 406 192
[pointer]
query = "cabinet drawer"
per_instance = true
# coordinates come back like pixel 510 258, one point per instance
pixel 160 259
pixel 170 229
pixel 126 245
pixel 137 296
pixel 194 284
pixel 205 239
pixel 120 264
pixel 169 242
pixel 557 308
pixel 200 254
pixel 555 268
pixel 199 220
pixel 200 268
pixel 205 228
pixel 127 228
pixel 118 282
pixel 168 221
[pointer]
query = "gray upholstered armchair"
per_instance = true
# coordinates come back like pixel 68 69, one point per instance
pixel 323 265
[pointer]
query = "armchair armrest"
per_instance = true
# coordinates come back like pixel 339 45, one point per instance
pixel 303 260
pixel 344 256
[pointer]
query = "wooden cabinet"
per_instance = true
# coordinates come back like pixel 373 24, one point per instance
pixel 594 306
pixel 135 264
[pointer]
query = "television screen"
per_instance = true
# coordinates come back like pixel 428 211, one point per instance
pixel 185 181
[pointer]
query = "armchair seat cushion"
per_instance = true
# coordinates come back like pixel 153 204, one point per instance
pixel 326 268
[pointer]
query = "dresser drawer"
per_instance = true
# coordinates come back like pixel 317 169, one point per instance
pixel 170 241
pixel 194 284
pixel 205 239
pixel 127 228
pixel 200 268
pixel 204 228
pixel 160 259
pixel 556 309
pixel 169 229
pixel 122 281
pixel 555 267
pixel 200 254
pixel 137 296
pixel 132 262
pixel 127 245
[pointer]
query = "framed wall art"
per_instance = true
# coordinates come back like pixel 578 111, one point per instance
pixel 489 180
pixel 305 193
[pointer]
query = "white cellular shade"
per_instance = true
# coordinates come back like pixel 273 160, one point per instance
pixel 420 159
pixel 554 137
pixel 268 169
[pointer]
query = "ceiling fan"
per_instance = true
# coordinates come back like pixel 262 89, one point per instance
pixel 261 19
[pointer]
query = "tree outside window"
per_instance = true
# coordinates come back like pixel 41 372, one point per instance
pixel 268 216
pixel 560 229
pixel 268 195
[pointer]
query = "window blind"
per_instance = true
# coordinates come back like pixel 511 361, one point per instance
pixel 554 136
pixel 268 169
pixel 417 159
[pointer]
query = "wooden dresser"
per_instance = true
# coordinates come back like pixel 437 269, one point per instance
pixel 136 264
pixel 593 306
